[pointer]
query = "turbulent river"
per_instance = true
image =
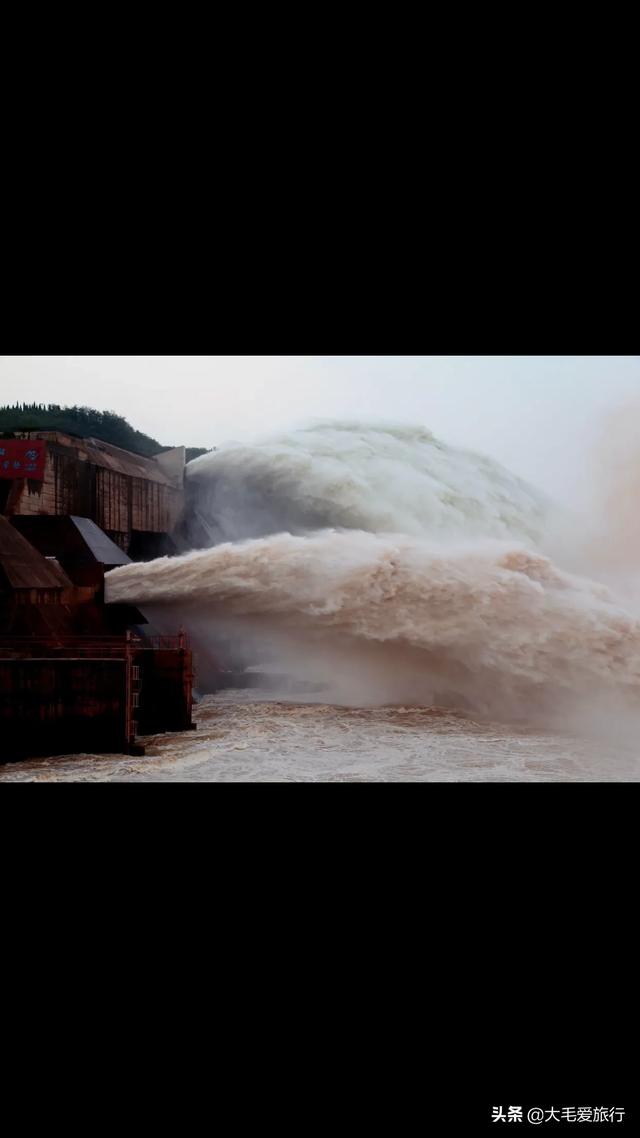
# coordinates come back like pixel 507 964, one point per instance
pixel 247 736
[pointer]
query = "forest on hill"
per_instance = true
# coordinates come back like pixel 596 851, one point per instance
pixel 85 422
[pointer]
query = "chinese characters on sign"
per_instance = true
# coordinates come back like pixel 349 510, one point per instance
pixel 22 458
pixel 536 1115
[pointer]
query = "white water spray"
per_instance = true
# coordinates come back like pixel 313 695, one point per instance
pixel 381 479
pixel 394 567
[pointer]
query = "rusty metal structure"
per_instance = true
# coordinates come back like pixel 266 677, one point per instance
pixel 76 674
pixel 35 593
pixel 60 695
pixel 135 500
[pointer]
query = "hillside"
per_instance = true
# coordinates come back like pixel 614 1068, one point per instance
pixel 85 422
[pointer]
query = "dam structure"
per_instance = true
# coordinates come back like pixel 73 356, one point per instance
pixel 77 674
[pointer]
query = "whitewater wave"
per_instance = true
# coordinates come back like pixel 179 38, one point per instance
pixel 385 565
pixel 379 478
pixel 490 621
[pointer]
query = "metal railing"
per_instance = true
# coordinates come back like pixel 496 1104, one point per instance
pixel 98 647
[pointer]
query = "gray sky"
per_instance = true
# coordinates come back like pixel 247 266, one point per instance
pixel 538 415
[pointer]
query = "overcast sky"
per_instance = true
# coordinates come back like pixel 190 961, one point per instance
pixel 536 414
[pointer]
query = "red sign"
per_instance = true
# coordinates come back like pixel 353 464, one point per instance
pixel 22 458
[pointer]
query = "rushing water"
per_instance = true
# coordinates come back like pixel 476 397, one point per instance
pixel 247 736
pixel 393 568
pixel 419 590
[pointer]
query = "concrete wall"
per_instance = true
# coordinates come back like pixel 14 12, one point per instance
pixel 117 502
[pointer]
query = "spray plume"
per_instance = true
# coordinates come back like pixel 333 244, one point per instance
pixel 395 567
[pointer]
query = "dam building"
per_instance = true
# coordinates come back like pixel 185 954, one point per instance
pixel 76 674
pixel 136 501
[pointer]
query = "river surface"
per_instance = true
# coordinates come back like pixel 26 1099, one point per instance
pixel 254 736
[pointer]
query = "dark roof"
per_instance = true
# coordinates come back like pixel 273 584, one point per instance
pixel 58 571
pixel 102 547
pixel 74 540
pixel 40 620
pixel 112 457
pixel 115 458
pixel 22 567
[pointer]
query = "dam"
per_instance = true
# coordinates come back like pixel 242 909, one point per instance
pixel 77 674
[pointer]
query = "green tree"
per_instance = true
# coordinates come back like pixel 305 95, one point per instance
pixel 85 422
